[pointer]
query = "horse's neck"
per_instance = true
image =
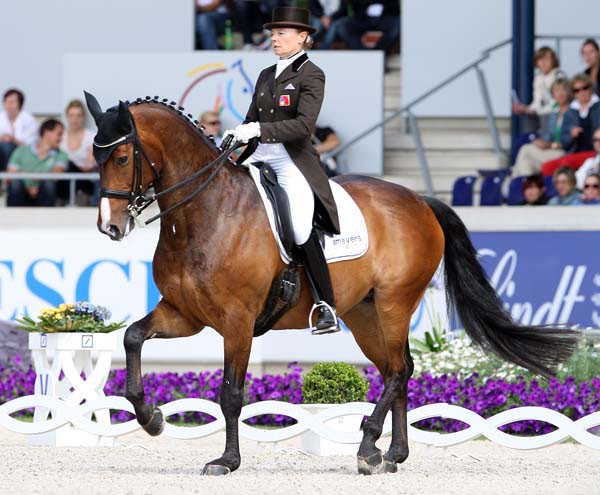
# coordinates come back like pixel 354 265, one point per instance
pixel 202 218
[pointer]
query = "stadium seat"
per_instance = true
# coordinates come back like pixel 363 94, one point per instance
pixel 491 191
pixel 550 189
pixel 462 191
pixel 515 191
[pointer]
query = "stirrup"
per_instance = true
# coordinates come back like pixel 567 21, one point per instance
pixel 335 327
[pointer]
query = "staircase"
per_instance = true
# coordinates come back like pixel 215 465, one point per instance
pixel 453 146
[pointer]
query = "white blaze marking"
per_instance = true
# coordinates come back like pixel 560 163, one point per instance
pixel 105 213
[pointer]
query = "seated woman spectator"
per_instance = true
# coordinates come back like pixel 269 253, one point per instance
pixel 547 63
pixel 531 156
pixel 591 165
pixel 325 140
pixel 366 16
pixel 564 182
pixel 579 122
pixel 591 56
pixel 534 190
pixel 43 156
pixel 77 143
pixel 211 19
pixel 591 190
pixel 17 126
pixel 212 125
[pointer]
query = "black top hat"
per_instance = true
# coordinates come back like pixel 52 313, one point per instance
pixel 292 17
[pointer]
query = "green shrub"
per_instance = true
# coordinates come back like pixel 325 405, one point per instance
pixel 333 383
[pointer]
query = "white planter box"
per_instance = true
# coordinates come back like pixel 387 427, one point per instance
pixel 71 353
pixel 314 444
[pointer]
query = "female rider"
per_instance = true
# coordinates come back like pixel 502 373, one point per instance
pixel 283 113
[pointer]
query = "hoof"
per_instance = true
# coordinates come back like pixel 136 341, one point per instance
pixel 389 467
pixel 156 425
pixel 371 465
pixel 215 470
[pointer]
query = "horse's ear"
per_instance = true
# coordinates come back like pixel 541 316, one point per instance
pixel 124 118
pixel 93 106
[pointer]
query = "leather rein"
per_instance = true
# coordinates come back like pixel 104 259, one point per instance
pixel 138 201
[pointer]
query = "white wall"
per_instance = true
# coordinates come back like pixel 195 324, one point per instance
pixel 206 80
pixel 440 37
pixel 34 36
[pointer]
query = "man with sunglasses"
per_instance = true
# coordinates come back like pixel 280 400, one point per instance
pixel 578 125
pixel 591 190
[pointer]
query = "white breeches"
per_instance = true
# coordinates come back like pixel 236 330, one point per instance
pixel 300 195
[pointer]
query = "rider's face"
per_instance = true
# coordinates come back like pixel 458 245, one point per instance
pixel 287 41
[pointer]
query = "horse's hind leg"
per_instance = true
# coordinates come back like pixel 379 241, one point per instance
pixel 163 322
pixel 398 451
pixel 381 331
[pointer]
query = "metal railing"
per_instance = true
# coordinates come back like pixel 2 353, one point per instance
pixel 72 177
pixel 412 120
pixel 406 110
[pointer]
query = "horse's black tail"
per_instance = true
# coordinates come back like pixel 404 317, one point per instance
pixel 483 316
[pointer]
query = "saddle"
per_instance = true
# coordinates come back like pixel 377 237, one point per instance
pixel 281 204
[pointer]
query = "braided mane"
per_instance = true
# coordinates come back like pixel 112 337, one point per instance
pixel 178 111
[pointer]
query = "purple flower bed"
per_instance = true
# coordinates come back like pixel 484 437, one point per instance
pixel 485 396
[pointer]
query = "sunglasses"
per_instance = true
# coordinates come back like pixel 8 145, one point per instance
pixel 596 140
pixel 583 88
pixel 595 186
pixel 214 122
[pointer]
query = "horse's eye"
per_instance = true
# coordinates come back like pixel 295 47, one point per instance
pixel 122 160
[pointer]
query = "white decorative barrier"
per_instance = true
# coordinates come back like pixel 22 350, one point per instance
pixel 71 354
pixel 80 416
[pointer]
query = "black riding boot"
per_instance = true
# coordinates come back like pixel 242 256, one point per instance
pixel 317 273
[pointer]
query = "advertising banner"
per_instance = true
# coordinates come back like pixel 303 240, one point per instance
pixel 542 277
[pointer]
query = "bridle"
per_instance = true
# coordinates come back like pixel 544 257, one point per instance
pixel 137 200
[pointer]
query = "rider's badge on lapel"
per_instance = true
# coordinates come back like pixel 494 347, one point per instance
pixel 284 101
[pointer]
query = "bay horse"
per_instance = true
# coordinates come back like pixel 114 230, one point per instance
pixel 216 259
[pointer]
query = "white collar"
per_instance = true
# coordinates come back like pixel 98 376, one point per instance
pixel 283 63
pixel 575 105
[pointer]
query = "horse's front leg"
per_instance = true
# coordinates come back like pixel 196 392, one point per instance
pixel 237 352
pixel 163 322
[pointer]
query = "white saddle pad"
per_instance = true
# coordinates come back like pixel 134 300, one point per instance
pixel 353 241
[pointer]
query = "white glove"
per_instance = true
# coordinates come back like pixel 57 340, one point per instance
pixel 228 132
pixel 245 132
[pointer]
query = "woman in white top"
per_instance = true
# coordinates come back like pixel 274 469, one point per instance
pixel 17 126
pixel 591 165
pixel 77 143
pixel 546 61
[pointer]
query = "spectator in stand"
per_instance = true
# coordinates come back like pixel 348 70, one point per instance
pixel 325 140
pixel 366 16
pixel 591 56
pixel 251 15
pixel 534 190
pixel 547 63
pixel 531 156
pixel 77 143
pixel 211 19
pixel 579 122
pixel 212 125
pixel 592 164
pixel 591 190
pixel 42 156
pixel 323 13
pixel 564 182
pixel 17 126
